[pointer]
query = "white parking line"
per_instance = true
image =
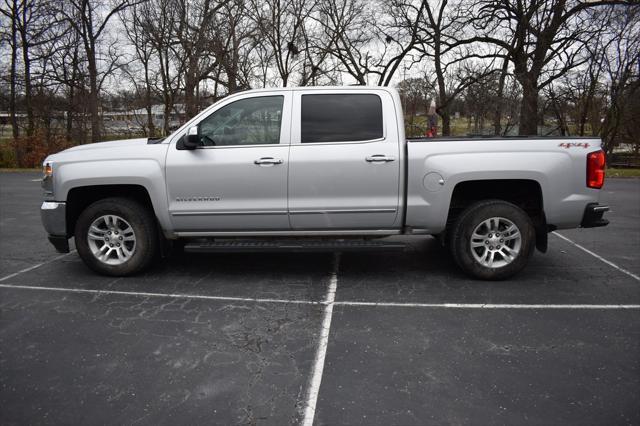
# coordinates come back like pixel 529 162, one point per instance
pixel 485 305
pixel 600 258
pixel 163 295
pixel 328 301
pixel 318 364
pixel 31 268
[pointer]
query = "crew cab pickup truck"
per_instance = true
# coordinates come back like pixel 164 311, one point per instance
pixel 317 168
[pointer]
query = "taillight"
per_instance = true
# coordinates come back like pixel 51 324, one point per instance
pixel 595 169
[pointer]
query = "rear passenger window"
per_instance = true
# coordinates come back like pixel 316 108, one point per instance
pixel 341 118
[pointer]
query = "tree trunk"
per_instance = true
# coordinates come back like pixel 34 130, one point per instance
pixel 583 121
pixel 70 114
pixel 151 130
pixel 12 89
pixel 13 76
pixel 446 122
pixel 529 107
pixel 586 105
pixel 232 77
pixel 190 83
pixel 443 110
pixel 27 73
pixel 497 115
pixel 93 93
pixel 72 93
pixel 231 67
pixel 189 99
pixel 167 112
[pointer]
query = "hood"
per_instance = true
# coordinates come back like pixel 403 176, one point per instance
pixel 110 151
pixel 112 144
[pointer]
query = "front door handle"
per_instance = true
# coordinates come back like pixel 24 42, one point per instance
pixel 379 158
pixel 268 160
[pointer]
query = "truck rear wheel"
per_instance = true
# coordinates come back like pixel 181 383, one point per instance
pixel 492 240
pixel 116 236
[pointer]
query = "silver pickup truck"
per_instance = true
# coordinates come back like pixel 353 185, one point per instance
pixel 317 168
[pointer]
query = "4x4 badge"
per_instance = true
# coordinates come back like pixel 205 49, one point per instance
pixel 574 144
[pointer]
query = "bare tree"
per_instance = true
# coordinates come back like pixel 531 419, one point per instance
pixel 371 39
pixel 237 34
pixel 67 69
pixel 86 19
pixel 33 24
pixel 280 25
pixel 621 61
pixel 457 62
pixel 159 19
pixel 11 10
pixel 399 33
pixel 539 37
pixel 415 94
pixel 140 40
pixel 346 25
pixel 198 45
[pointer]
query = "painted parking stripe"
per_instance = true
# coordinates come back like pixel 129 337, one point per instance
pixel 485 305
pixel 31 268
pixel 600 258
pixel 325 302
pixel 321 353
pixel 162 295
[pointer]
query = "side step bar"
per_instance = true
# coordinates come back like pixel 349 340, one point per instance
pixel 289 245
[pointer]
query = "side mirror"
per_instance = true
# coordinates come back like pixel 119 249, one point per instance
pixel 191 139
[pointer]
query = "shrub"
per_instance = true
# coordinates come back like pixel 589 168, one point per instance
pixel 30 151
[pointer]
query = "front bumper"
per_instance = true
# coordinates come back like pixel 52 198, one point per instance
pixel 54 219
pixel 592 217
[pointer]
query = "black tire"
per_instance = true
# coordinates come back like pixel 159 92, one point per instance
pixel 141 220
pixel 474 216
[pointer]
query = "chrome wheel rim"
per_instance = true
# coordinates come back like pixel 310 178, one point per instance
pixel 111 240
pixel 496 242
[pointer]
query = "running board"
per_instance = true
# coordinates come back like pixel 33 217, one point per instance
pixel 289 245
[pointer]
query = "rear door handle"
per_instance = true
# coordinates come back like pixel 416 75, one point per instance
pixel 268 160
pixel 379 158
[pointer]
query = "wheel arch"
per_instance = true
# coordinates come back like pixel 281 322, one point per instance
pixel 80 197
pixel 524 193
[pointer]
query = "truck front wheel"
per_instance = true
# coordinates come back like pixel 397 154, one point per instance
pixel 492 240
pixel 116 236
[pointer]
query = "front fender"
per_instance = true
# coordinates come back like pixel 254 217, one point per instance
pixel 147 173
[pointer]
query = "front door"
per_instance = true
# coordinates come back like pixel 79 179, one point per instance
pixel 344 168
pixel 237 179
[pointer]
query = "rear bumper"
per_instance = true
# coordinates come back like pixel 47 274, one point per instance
pixel 54 219
pixel 592 217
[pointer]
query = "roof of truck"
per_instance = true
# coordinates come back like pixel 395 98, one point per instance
pixel 297 88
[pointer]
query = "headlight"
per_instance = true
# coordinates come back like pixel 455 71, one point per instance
pixel 47 170
pixel 47 178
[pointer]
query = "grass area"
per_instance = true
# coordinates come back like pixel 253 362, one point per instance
pixel 623 172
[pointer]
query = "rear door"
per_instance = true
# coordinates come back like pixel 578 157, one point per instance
pixel 344 170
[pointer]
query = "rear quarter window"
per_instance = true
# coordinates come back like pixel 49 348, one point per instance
pixel 341 118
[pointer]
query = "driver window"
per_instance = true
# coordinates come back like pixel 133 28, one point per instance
pixel 250 121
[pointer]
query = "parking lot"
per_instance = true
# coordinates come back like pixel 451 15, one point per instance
pixel 347 338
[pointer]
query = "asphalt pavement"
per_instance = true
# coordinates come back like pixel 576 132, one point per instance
pixel 354 338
